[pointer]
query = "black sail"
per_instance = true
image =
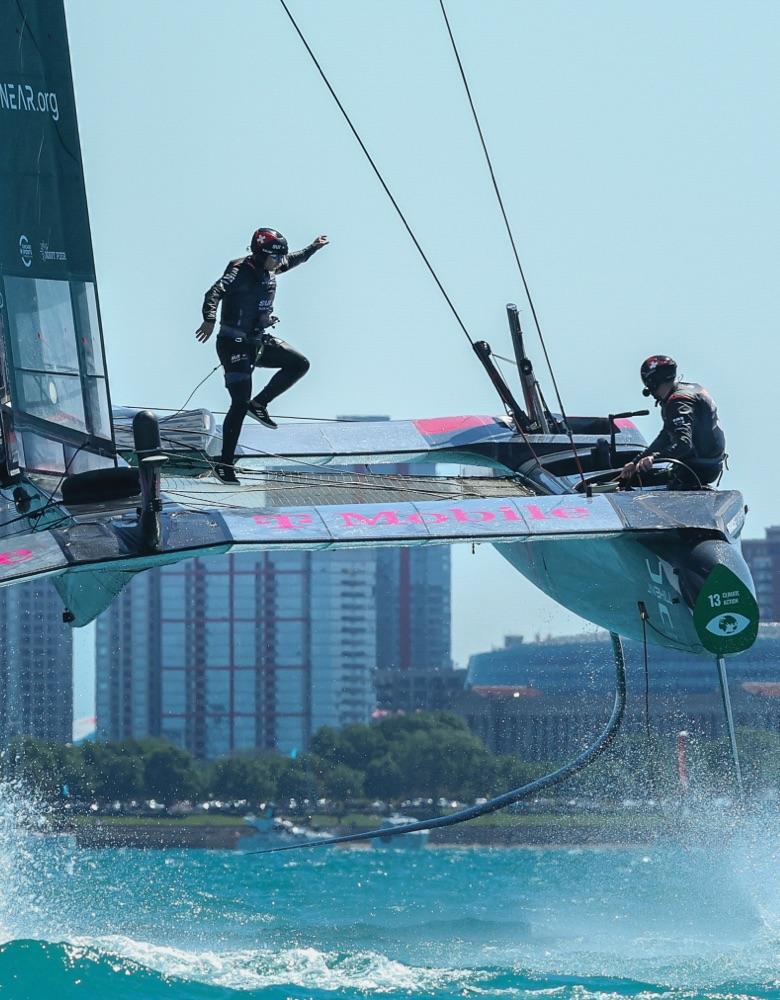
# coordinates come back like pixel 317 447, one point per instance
pixel 56 411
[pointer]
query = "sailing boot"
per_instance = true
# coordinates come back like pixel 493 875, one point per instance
pixel 226 473
pixel 259 412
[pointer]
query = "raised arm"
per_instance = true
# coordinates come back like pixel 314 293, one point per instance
pixel 299 256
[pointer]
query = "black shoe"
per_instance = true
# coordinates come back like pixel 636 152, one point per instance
pixel 259 413
pixel 226 474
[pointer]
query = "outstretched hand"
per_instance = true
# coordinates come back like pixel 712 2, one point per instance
pixel 204 331
pixel 321 241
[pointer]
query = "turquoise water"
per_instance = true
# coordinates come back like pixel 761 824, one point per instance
pixel 700 920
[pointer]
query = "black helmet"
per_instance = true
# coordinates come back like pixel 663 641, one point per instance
pixel 656 370
pixel 268 241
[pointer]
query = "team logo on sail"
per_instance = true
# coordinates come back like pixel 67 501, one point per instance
pixel 25 251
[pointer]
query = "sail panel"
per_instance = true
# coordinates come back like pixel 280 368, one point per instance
pixel 53 358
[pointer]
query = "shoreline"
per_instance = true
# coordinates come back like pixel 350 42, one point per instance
pixel 165 832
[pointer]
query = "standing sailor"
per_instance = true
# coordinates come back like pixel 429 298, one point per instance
pixel 691 434
pixel 247 290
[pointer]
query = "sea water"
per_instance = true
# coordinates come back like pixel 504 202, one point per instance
pixel 699 918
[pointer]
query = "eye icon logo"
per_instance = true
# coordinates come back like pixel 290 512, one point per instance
pixel 25 251
pixel 731 623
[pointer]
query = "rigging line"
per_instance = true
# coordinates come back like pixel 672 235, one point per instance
pixel 374 167
pixel 51 502
pixel 34 515
pixel 279 416
pixel 511 238
pixel 669 638
pixel 218 365
pixel 127 425
pixel 648 734
pixel 583 760
pixel 523 434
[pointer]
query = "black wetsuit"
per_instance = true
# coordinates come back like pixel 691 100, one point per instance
pixel 247 291
pixel 690 433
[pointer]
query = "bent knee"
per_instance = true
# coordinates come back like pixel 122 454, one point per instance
pixel 301 365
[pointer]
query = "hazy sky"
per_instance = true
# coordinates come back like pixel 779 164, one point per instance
pixel 638 151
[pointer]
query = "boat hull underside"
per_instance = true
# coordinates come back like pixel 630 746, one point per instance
pixel 604 580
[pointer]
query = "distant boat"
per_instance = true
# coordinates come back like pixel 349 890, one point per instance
pixel 403 841
pixel 273 831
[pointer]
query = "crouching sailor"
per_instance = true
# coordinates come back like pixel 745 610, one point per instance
pixel 247 290
pixel 690 434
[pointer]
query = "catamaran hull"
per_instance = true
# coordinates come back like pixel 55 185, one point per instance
pixel 609 580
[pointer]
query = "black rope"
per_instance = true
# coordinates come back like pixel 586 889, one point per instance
pixel 379 175
pixel 648 734
pixel 207 377
pixel 583 760
pixel 511 239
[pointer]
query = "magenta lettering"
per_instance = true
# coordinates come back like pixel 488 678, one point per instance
pixel 478 515
pixel 510 514
pixel 14 557
pixel 427 517
pixel 537 514
pixel 286 522
pixel 569 512
pixel 352 519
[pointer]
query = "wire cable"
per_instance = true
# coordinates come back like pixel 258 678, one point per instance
pixel 184 404
pixel 50 502
pixel 381 179
pixel 583 760
pixel 511 237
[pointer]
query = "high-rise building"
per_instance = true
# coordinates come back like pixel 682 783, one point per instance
pixel 343 636
pixel 241 651
pixel 413 608
pixel 413 588
pixel 36 664
pixel 763 557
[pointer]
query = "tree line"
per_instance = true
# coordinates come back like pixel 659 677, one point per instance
pixel 420 756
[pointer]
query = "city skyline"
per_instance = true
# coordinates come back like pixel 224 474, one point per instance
pixel 263 649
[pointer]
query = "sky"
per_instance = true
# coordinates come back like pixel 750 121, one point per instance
pixel 637 147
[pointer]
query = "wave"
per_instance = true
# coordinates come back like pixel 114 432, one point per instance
pixel 126 969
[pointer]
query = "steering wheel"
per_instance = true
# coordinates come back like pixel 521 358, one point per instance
pixel 609 477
